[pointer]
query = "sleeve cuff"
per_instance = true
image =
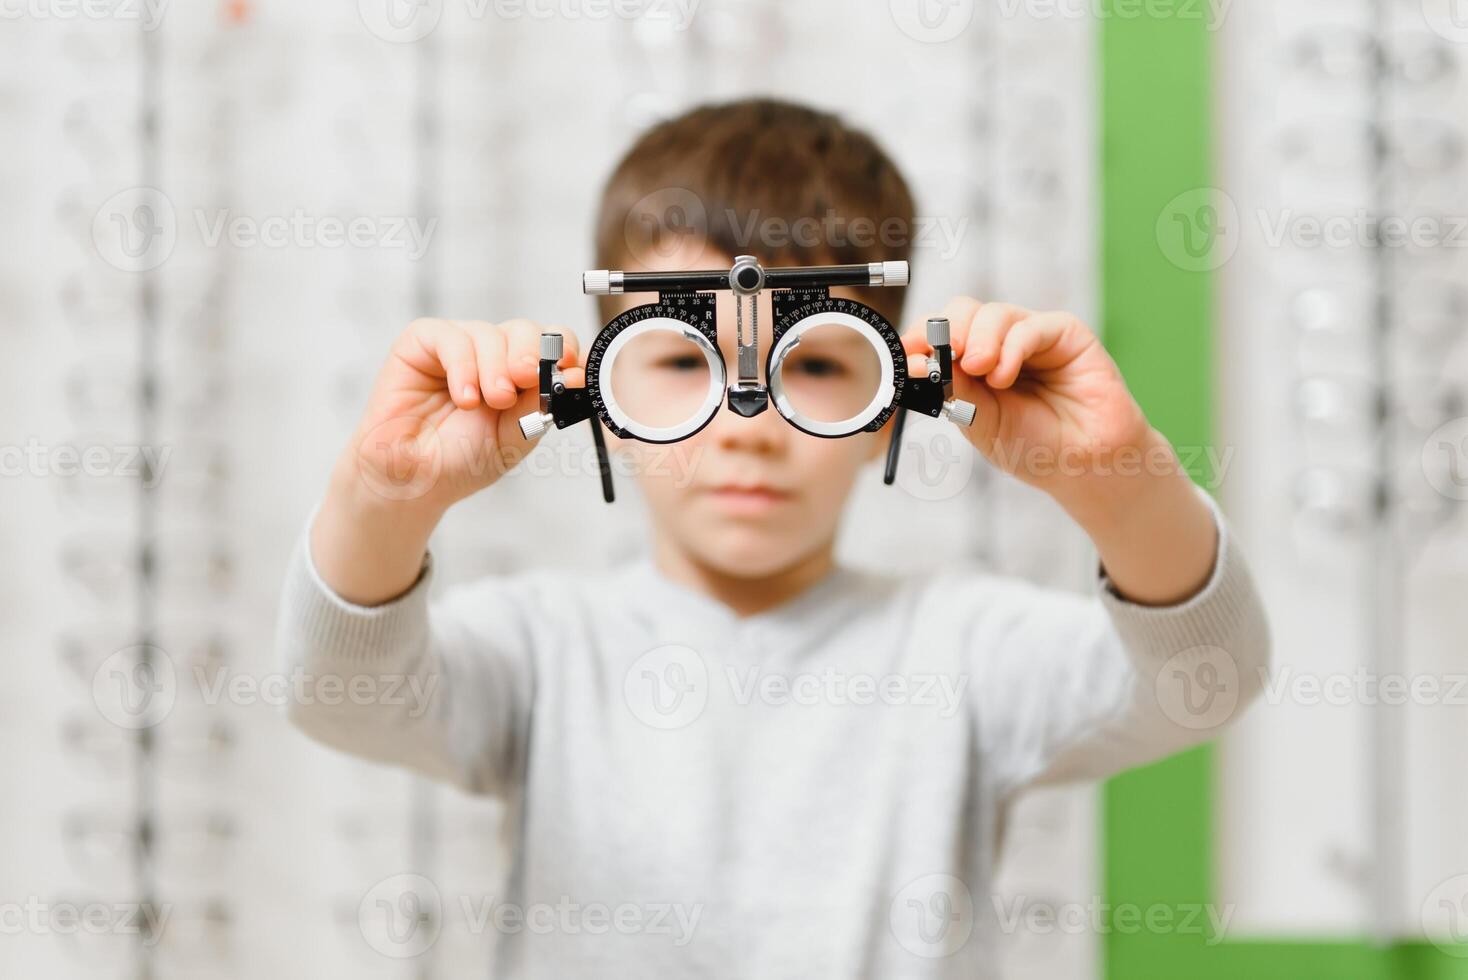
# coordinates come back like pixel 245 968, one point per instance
pixel 1223 606
pixel 326 625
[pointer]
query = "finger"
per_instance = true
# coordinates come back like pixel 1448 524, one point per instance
pixel 448 353
pixel 960 313
pixel 489 349
pixel 522 351
pixel 986 336
pixel 1026 342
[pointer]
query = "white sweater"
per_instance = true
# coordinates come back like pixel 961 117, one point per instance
pixel 816 790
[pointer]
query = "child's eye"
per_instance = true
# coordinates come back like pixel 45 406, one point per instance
pixel 820 367
pixel 681 362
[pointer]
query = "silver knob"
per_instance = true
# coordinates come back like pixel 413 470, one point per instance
pixel 938 331
pixel 746 277
pixel 959 411
pixel 552 346
pixel 532 426
pixel 887 273
pixel 598 282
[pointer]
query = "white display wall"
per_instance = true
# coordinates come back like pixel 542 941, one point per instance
pixel 145 303
pixel 1342 808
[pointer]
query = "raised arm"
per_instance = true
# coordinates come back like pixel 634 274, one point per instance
pixel 1068 687
pixel 377 669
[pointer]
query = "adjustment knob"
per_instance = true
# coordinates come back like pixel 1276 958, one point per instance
pixel 959 411
pixel 552 346
pixel 532 426
pixel 938 331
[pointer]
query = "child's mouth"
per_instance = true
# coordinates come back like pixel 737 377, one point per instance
pixel 748 499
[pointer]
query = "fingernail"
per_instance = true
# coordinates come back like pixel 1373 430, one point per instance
pixel 505 384
pixel 468 393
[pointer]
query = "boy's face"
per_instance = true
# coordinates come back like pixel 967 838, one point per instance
pixel 744 496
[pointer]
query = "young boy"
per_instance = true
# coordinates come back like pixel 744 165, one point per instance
pixel 734 727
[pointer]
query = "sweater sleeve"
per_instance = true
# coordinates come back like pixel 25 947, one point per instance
pixel 1071 687
pixel 442 687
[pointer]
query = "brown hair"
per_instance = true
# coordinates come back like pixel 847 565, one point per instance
pixel 785 183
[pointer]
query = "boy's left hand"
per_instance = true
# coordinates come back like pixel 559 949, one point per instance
pixel 1051 406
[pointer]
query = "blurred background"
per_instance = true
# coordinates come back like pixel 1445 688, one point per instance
pixel 219 214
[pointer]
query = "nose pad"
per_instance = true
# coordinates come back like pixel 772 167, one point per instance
pixel 748 400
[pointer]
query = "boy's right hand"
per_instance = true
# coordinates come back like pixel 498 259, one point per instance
pixel 442 421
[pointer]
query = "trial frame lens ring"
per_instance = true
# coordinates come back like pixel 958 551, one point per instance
pixel 671 433
pixel 886 389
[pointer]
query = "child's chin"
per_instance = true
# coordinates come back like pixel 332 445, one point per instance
pixel 747 552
